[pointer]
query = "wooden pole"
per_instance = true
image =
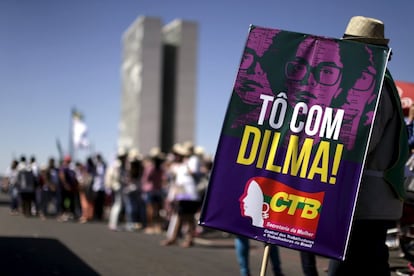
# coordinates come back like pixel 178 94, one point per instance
pixel 265 259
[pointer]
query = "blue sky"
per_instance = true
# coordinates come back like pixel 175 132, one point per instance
pixel 56 54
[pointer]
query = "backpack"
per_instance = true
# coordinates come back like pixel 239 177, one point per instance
pixel 26 182
pixel 70 176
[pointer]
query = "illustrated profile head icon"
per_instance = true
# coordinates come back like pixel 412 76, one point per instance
pixel 252 203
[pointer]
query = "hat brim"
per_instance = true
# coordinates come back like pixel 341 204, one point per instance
pixel 369 40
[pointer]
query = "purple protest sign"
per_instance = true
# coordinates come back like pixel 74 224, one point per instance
pixel 293 142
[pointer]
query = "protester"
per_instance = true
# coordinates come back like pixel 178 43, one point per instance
pixel 84 179
pixel 380 200
pixel 154 180
pixel 69 189
pixel 50 190
pixel 410 127
pixel 10 185
pixel 308 262
pixel 26 185
pixel 184 198
pixel 242 246
pixel 34 166
pixel 98 188
pixel 132 196
pixel 115 181
pixel 194 162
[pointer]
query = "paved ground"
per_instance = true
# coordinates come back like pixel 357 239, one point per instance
pixel 30 246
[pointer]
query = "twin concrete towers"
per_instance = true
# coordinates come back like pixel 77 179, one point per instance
pixel 158 73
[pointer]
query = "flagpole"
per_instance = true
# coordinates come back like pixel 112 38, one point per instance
pixel 71 148
pixel 59 148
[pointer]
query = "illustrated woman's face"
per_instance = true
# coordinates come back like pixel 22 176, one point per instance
pixel 252 80
pixel 362 91
pixel 358 97
pixel 314 75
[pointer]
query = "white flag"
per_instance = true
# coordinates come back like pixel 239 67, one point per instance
pixel 80 132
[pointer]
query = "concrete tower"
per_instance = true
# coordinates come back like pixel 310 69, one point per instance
pixel 179 84
pixel 158 84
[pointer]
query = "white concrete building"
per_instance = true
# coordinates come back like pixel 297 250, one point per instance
pixel 159 70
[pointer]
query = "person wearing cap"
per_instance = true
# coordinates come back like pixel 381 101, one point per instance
pixel 381 194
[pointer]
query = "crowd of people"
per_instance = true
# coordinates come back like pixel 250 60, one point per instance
pixel 154 192
pixel 164 191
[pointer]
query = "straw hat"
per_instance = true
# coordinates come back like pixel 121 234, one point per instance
pixel 189 145
pixel 199 150
pixel 121 152
pixel 367 30
pixel 180 150
pixel 134 154
pixel 155 152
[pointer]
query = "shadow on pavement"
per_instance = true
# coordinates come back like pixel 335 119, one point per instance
pixel 4 199
pixel 38 256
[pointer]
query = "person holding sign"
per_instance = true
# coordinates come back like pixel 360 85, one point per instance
pixel 242 246
pixel 380 200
